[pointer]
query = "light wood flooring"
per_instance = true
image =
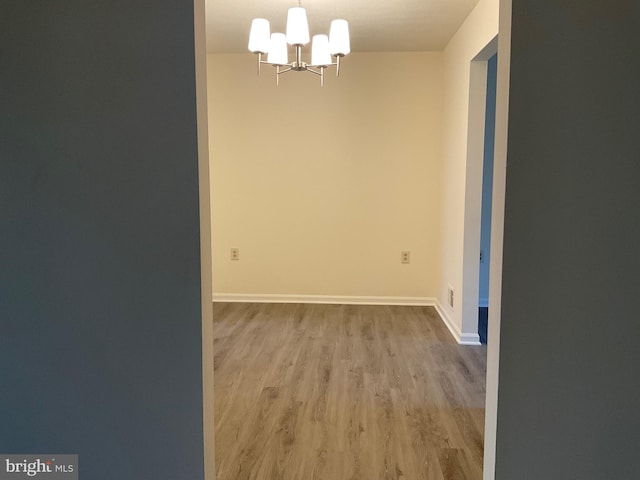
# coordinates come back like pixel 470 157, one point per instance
pixel 337 392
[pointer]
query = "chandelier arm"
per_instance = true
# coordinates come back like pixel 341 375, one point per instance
pixel 320 73
pixel 262 62
pixel 280 72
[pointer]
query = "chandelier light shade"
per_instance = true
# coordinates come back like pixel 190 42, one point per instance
pixel 297 26
pixel 278 49
pixel 274 45
pixel 320 51
pixel 259 37
pixel 339 38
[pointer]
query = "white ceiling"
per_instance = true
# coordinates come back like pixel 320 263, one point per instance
pixel 375 25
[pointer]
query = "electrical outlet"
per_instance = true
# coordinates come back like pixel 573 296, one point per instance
pixel 405 257
pixel 451 296
pixel 235 254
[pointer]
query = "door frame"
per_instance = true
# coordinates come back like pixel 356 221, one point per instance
pixel 204 190
pixel 473 188
pixel 497 236
pixel 497 232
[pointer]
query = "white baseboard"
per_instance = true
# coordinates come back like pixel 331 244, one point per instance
pixel 461 338
pixel 469 339
pixel 326 299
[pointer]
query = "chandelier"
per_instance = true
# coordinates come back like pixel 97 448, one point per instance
pixel 323 47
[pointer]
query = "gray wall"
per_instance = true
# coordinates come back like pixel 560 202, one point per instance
pixel 569 391
pixel 100 344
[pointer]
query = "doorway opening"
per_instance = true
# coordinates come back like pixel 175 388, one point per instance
pixel 479 66
pixel 473 262
pixel 487 190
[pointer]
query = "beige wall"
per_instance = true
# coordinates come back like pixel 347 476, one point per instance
pixel 462 171
pixel 321 188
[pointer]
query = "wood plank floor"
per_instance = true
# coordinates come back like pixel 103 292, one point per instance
pixel 335 392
